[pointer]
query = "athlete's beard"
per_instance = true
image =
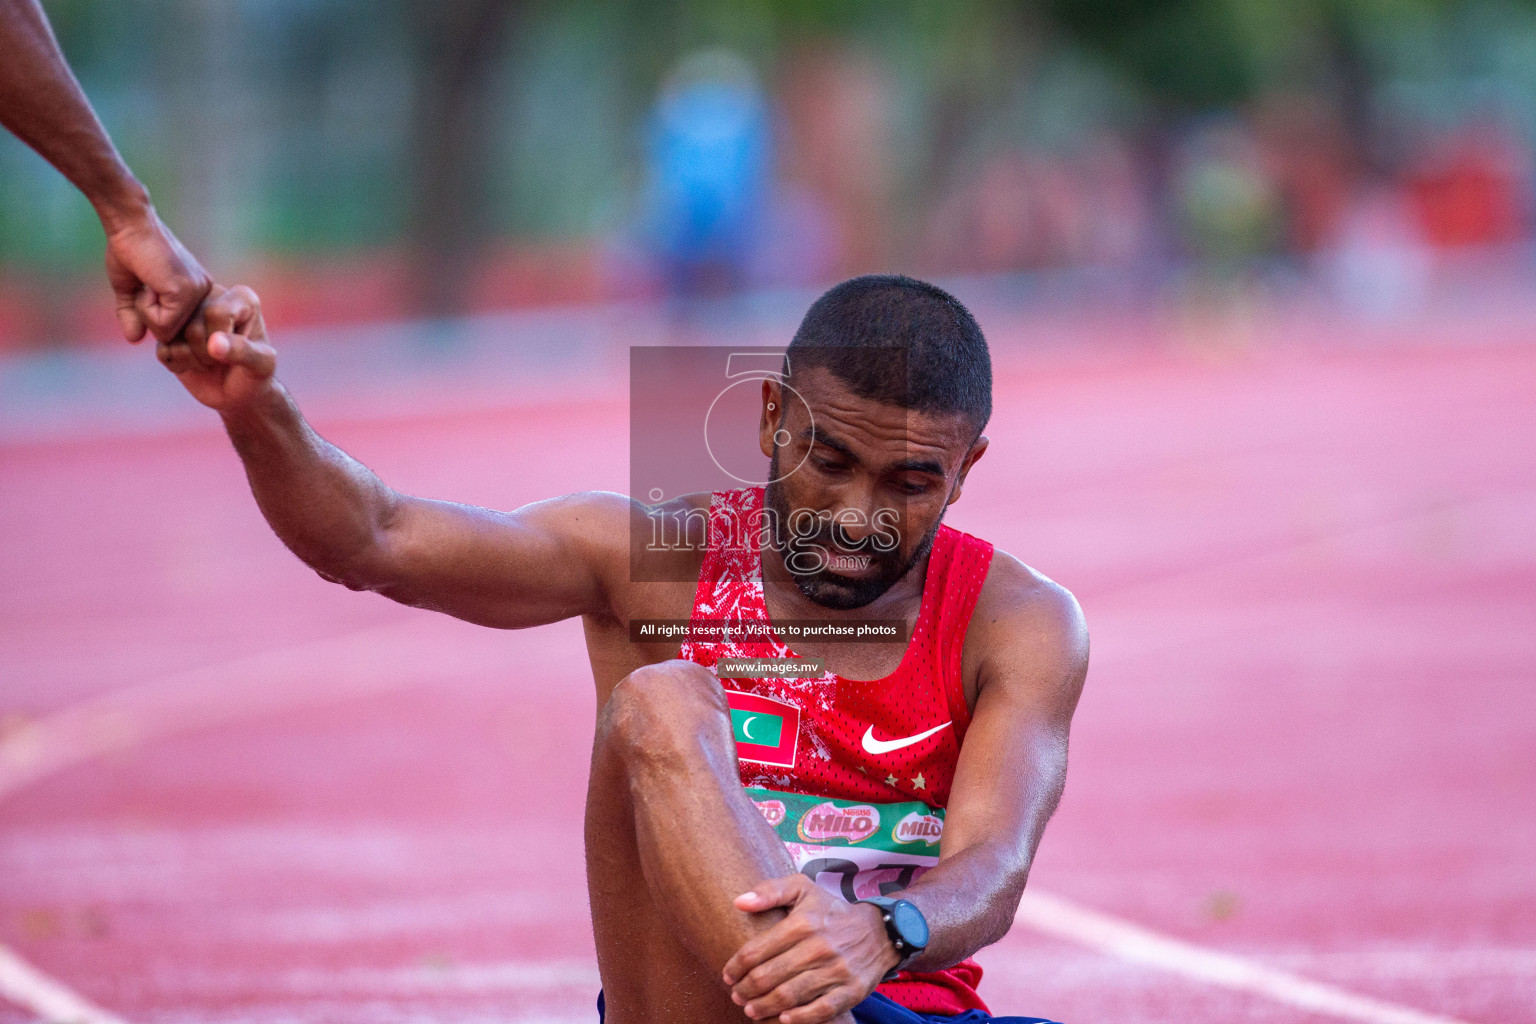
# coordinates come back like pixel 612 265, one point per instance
pixel 825 587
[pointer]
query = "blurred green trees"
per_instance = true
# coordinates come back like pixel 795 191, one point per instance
pixel 286 127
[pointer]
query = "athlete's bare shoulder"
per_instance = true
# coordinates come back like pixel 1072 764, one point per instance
pixel 637 545
pixel 1025 598
pixel 1027 629
pixel 629 536
pixel 670 534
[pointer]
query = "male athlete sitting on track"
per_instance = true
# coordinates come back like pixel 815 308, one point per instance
pixel 848 779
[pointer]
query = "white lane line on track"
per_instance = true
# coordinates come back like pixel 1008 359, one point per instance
pixel 516 976
pixel 354 664
pixel 1398 964
pixel 1135 944
pixel 26 986
pixel 382 658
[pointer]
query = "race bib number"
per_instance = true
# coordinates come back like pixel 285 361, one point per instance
pixel 854 850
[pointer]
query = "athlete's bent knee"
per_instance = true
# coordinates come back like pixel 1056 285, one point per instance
pixel 663 711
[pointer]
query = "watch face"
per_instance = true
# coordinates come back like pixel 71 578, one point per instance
pixel 910 924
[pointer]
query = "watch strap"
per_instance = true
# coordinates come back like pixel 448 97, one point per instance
pixel 886 905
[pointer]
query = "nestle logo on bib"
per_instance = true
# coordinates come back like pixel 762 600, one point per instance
pixel 919 828
pixel 827 821
pixel 773 811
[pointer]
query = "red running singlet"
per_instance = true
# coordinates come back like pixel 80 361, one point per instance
pixel 852 774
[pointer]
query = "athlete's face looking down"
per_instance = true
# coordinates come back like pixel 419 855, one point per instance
pixel 857 488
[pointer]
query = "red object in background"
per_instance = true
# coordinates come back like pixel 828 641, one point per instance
pixel 364 287
pixel 1470 194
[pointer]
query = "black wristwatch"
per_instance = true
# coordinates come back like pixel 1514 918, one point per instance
pixel 907 928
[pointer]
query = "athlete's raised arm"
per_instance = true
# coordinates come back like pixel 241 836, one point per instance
pixel 545 562
pixel 157 282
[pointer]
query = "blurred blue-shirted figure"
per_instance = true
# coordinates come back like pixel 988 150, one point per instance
pixel 708 144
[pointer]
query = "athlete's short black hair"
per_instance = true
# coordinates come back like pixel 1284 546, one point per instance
pixel 943 367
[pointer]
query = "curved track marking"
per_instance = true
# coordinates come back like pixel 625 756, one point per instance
pixel 355 664
pixel 26 986
pixel 382 658
pixel 414 980
pixel 1135 944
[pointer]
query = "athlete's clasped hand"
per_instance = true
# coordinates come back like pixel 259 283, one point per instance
pixel 222 358
pixel 819 961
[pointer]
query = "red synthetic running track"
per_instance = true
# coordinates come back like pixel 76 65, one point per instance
pixel 1307 736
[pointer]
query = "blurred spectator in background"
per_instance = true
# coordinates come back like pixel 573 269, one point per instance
pixel 707 162
pixel 1030 211
pixel 1310 162
pixel 400 159
pixel 1119 229
pixel 1228 205
pixel 459 47
pixel 838 148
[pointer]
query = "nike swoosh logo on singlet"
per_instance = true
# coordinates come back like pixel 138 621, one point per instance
pixel 875 746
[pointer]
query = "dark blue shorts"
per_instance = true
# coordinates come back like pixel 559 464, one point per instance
pixel 877 1009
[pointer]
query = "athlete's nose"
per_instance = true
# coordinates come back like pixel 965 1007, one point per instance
pixel 854 520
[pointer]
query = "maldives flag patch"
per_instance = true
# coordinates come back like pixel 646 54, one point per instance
pixel 767 731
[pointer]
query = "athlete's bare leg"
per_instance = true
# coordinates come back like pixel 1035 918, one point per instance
pixel 672 840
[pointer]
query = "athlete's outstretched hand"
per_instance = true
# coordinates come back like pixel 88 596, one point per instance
pixel 223 357
pixel 818 962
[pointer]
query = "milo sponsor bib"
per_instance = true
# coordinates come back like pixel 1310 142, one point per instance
pixel 855 850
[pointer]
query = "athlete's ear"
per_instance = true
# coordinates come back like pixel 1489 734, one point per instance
pixel 773 414
pixel 978 449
